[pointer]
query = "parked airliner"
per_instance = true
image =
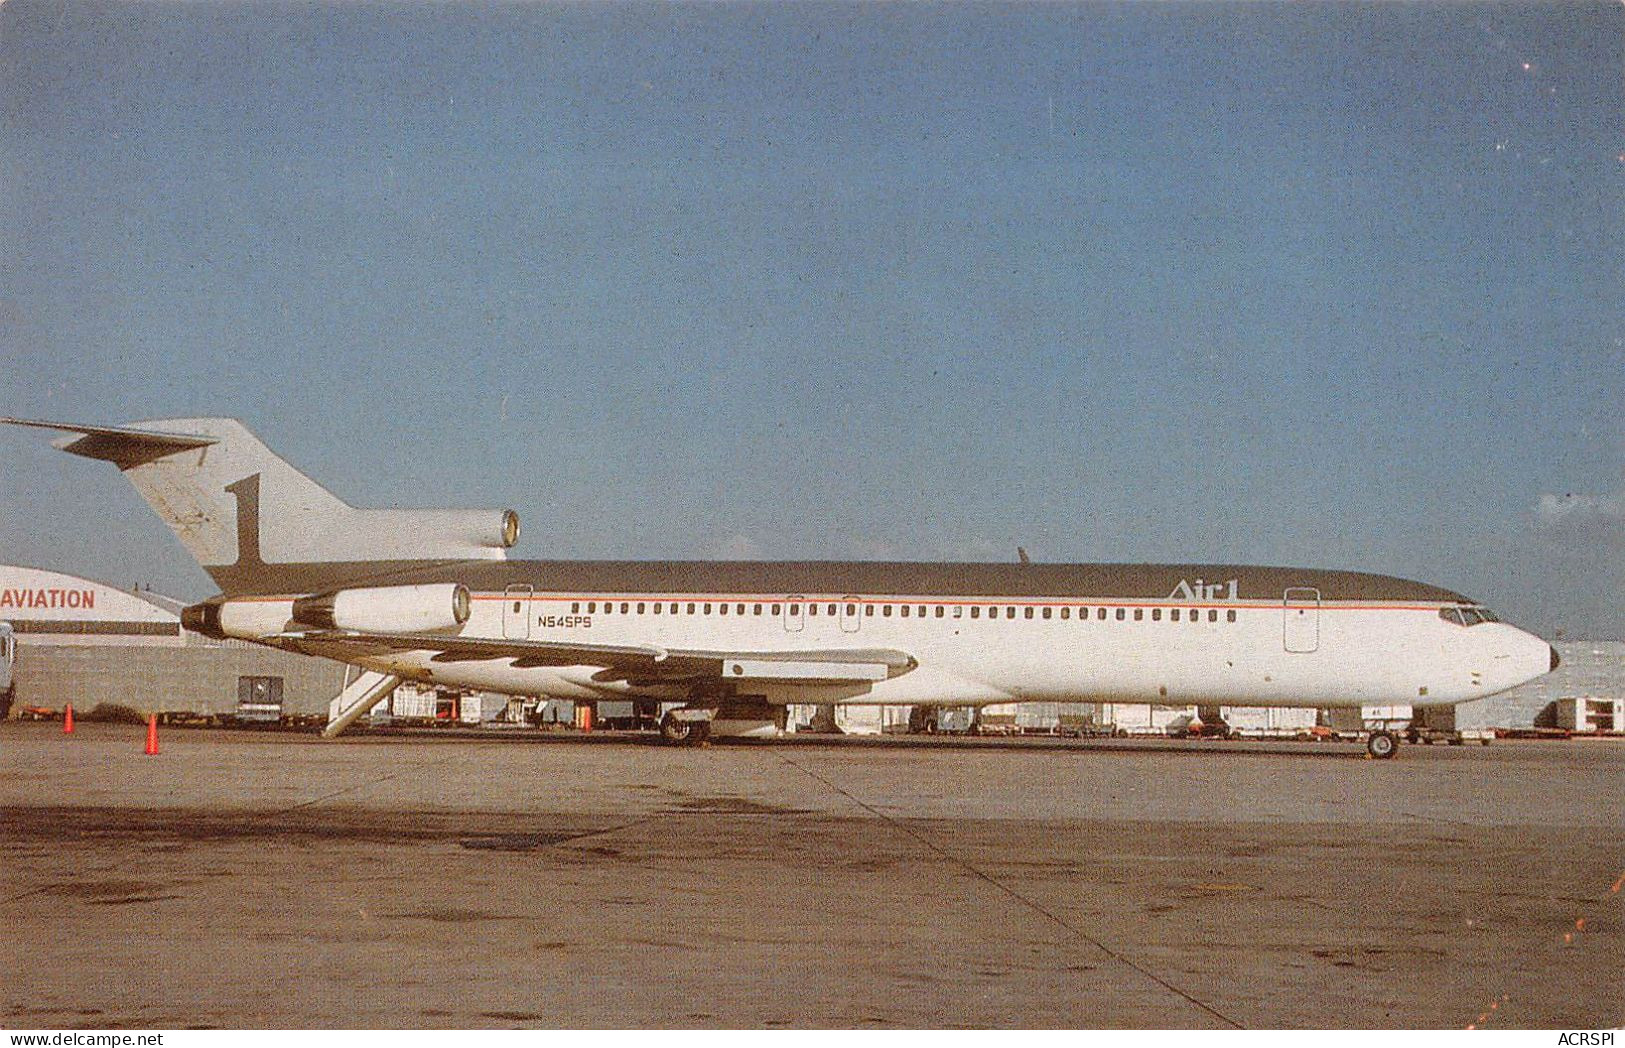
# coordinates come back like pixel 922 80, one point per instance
pixel 429 596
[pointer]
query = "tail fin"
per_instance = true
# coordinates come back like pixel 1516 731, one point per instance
pixel 246 516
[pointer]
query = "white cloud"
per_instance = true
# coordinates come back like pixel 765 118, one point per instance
pixel 1598 519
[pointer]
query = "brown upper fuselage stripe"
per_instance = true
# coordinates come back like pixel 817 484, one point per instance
pixel 1099 583
pixel 912 602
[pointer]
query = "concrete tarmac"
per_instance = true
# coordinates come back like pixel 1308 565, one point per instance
pixel 272 880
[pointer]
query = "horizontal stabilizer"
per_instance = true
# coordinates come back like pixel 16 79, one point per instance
pixel 123 446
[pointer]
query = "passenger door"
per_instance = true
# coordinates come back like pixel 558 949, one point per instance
pixel 1300 619
pixel 793 612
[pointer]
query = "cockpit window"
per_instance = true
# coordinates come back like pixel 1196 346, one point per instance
pixel 1468 616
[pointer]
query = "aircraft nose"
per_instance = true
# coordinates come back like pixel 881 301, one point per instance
pixel 1555 658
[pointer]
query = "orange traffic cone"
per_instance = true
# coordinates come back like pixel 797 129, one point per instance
pixel 152 734
pixel 67 720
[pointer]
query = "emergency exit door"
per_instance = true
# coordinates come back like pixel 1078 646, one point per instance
pixel 1300 619
pixel 851 608
pixel 516 612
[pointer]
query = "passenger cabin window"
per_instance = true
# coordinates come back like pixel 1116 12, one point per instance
pixel 708 609
pixel 869 610
pixel 722 609
pixel 1050 611
pixel 939 611
pixel 848 609
pixel 575 607
pixel 1100 613
pixel 776 609
pixel 739 609
pixel 886 611
pixel 1139 613
pixel 1173 614
pixel 1230 616
pixel 516 607
pixel 1156 614
pixel 851 609
pixel 1066 613
pixel 691 609
pixel 657 607
pixel 975 612
pixel 1029 613
pixel 1212 615
pixel 756 609
pixel 795 609
pixel 640 607
pixel 812 609
pixel 1121 614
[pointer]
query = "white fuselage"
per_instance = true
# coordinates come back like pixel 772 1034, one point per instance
pixel 986 649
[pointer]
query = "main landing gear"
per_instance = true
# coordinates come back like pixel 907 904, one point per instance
pixel 1382 745
pixel 686 727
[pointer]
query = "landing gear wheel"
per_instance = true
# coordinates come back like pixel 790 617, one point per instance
pixel 684 732
pixel 1382 745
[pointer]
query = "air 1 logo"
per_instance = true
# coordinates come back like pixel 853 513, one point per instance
pixel 1205 590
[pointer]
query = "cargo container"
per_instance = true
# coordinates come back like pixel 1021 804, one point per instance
pixel 997 720
pixel 859 720
pixel 1056 718
pixel 1264 722
pixel 1138 718
pixel 1038 718
pixel 1369 718
pixel 1589 713
pixel 1439 724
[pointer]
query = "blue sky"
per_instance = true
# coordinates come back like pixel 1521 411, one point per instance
pixel 1333 285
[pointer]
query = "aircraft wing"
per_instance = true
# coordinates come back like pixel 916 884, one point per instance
pixel 635 664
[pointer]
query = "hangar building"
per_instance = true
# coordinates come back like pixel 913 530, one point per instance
pixel 90 644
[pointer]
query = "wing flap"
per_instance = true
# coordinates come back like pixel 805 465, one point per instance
pixel 808 671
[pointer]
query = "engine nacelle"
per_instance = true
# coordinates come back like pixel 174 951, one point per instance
pixel 433 534
pixel 387 609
